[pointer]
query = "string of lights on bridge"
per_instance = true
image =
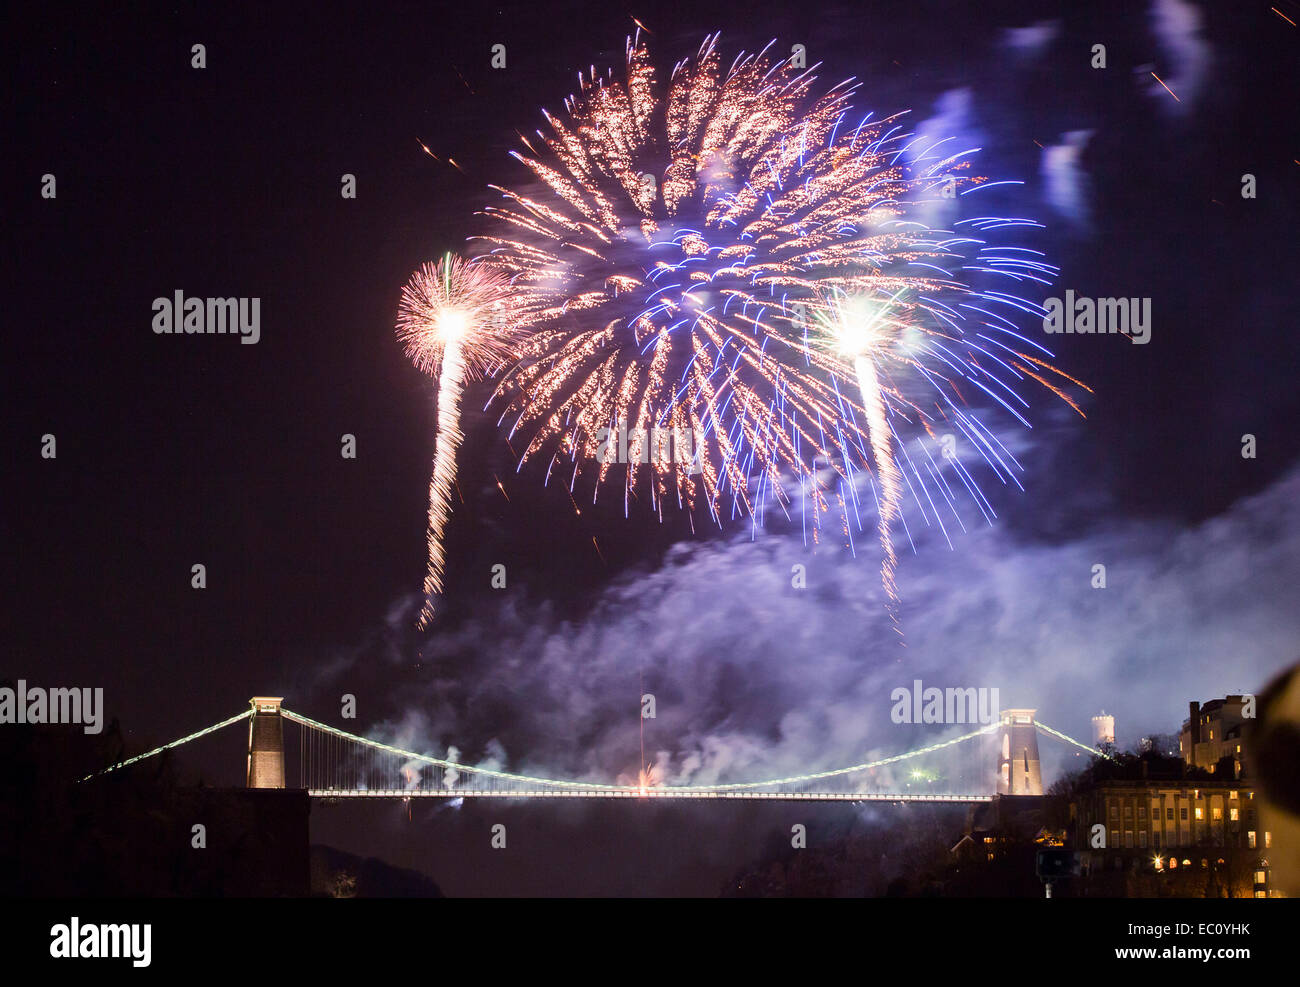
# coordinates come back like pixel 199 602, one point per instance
pixel 318 762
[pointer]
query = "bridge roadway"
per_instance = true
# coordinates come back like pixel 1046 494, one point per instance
pixel 648 793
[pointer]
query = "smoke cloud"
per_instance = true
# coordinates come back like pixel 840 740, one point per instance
pixel 755 679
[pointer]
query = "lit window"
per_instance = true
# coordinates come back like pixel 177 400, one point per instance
pixel 1232 796
pixel 1200 813
pixel 1250 839
pixel 1216 813
pixel 1233 814
pixel 1260 877
pixel 1268 839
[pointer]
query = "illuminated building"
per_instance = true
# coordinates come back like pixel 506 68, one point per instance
pixel 1212 733
pixel 1206 825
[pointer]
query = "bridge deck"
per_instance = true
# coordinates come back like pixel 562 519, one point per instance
pixel 649 793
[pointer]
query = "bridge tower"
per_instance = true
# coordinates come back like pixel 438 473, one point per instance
pixel 1019 771
pixel 266 743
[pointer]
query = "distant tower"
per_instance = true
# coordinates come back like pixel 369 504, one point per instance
pixel 1019 772
pixel 1103 729
pixel 266 744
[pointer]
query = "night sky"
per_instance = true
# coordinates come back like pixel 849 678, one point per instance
pixel 176 450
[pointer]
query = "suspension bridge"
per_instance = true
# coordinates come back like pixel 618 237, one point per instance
pixel 335 764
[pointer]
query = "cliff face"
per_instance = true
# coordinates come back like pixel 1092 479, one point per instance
pixel 138 832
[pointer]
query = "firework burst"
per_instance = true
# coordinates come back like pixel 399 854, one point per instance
pixel 688 251
pixel 453 319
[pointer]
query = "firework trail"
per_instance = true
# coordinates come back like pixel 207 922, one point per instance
pixel 685 256
pixel 453 319
pixel 856 329
pixel 890 477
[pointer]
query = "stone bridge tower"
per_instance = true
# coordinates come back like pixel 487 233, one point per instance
pixel 266 744
pixel 1019 772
